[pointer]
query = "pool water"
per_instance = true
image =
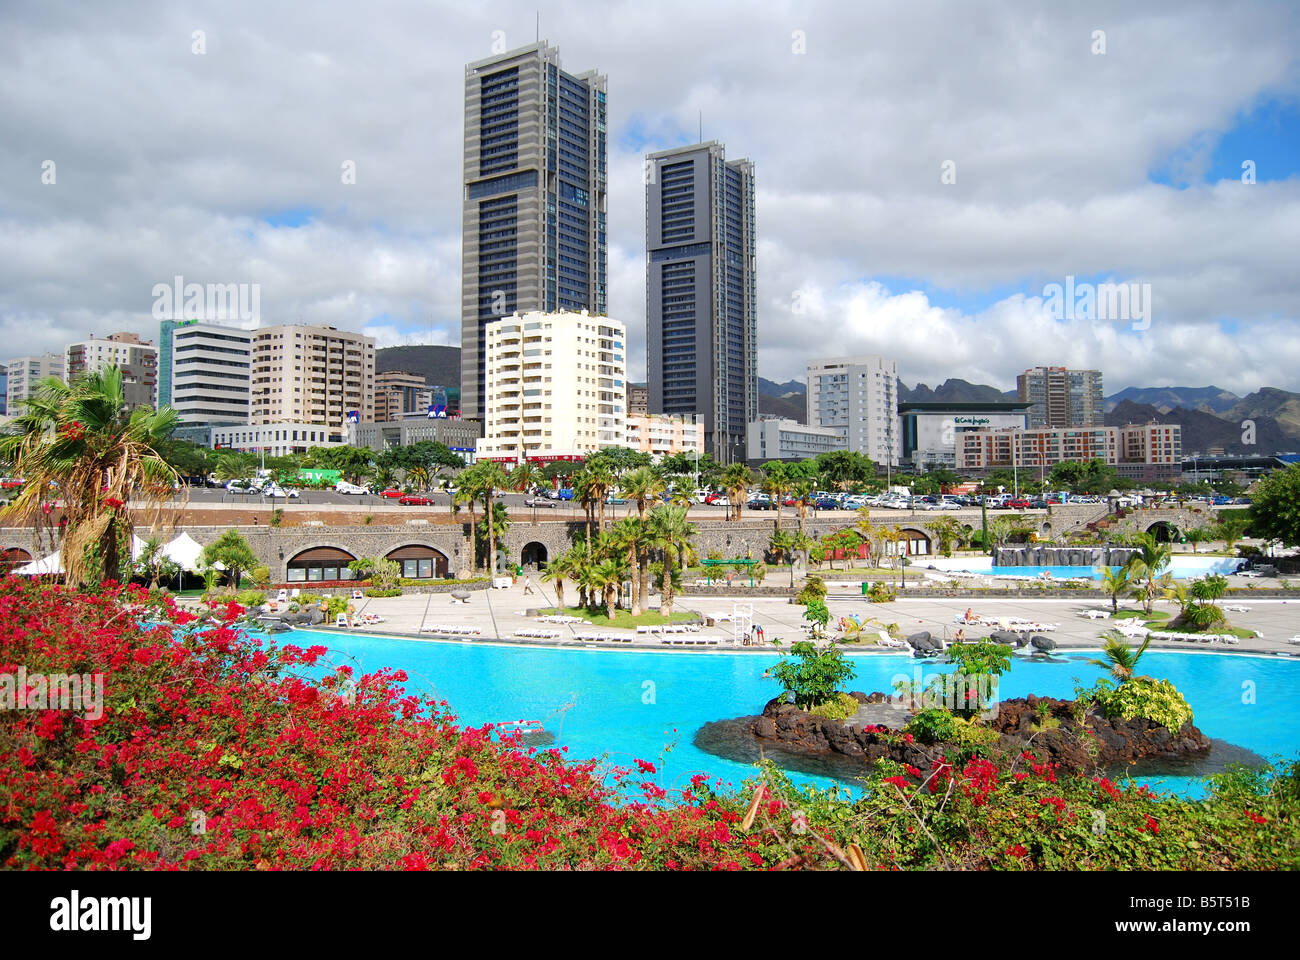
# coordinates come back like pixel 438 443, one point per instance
pixel 624 705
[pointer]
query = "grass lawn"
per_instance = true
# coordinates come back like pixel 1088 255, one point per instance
pixel 1240 632
pixel 1154 615
pixel 622 618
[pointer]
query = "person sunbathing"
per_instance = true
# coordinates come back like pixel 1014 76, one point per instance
pixel 969 616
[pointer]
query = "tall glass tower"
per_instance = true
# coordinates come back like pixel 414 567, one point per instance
pixel 701 320
pixel 533 221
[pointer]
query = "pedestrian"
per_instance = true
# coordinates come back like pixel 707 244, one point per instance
pixel 528 586
pixel 759 633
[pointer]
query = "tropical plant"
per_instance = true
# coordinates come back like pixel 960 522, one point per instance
pixel 562 567
pixel 802 492
pixel 670 531
pixel 1156 700
pixel 816 613
pixel 776 484
pixel 815 676
pixel 1146 566
pixel 153 564
pixel 81 445
pixel 233 553
pixel 947 531
pixel 1117 582
pixel 628 538
pixel 736 479
pixel 1118 657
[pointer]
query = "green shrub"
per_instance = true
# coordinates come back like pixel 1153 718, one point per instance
pixel 383 592
pixel 813 589
pixel 250 598
pixel 815 677
pixel 1156 700
pixel 879 592
pixel 932 726
pixel 840 707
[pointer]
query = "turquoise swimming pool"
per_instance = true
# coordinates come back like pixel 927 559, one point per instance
pixel 627 705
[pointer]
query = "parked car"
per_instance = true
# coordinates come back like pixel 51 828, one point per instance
pixel 351 489
pixel 827 503
pixel 539 502
pixel 391 494
pixel 275 490
pixel 564 493
pixel 1019 503
pixel 760 502
pixel 243 486
pixel 615 501
pixel 416 500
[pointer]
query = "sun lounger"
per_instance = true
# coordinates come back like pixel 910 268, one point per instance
pixel 1295 639
pixel 283 596
pixel 1095 614
pixel 341 621
pixel 1236 608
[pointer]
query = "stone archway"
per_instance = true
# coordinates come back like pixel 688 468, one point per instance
pixel 322 564
pixel 916 542
pixel 1164 532
pixel 12 557
pixel 534 554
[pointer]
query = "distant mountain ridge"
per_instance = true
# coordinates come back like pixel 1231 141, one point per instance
pixel 1213 399
pixel 438 365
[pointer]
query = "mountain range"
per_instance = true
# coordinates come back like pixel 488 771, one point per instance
pixel 1212 418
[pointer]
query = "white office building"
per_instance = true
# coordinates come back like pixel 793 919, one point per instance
pixel 205 372
pixel 555 386
pixel 779 439
pixel 858 398
pixel 24 373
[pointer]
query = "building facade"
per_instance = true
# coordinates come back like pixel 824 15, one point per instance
pixel 556 386
pixel 312 375
pixel 460 436
pixel 136 358
pixel 779 439
pixel 858 397
pixel 24 373
pixel 204 372
pixel 1062 397
pixel 931 431
pixel 638 399
pixel 701 292
pixel 1141 452
pixel 533 220
pixel 398 392
pixel 663 436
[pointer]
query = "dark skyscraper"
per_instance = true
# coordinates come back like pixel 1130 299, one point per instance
pixel 701 324
pixel 533 223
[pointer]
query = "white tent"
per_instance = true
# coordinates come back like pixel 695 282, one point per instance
pixel 185 551
pixel 53 564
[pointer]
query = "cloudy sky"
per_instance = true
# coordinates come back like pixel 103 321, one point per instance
pixel 924 170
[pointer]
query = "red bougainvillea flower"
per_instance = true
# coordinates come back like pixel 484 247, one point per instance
pixel 1017 851
pixel 645 767
pixel 1255 816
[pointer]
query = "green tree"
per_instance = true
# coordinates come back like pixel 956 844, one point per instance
pixel 735 479
pixel 777 484
pixel 1117 582
pixel 845 468
pixel 670 531
pixel 815 677
pixel 1146 566
pixel 234 554
pixel 1275 507
pixel 946 531
pixel 1118 657
pixel 81 444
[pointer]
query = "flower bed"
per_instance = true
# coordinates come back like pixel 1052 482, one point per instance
pixel 214 751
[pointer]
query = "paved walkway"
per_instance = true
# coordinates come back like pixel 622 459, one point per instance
pixel 501 614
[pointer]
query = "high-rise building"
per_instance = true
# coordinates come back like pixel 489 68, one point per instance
pixel 204 371
pixel 136 358
pixel 25 373
pixel 638 399
pixel 398 392
pixel 701 316
pixel 858 396
pixel 308 382
pixel 556 386
pixel 533 220
pixel 1061 397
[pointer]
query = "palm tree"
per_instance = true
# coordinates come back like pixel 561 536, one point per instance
pixel 490 478
pixel 234 466
pixel 1146 564
pixel 606 576
pixel 600 481
pixel 418 476
pixel 80 444
pixel 627 538
pixel 557 571
pixel 946 529
pixel 1117 582
pixel 670 531
pixel 736 480
pixel 584 493
pixel 1120 658
pixel 643 485
pixel 803 496
pixel 776 484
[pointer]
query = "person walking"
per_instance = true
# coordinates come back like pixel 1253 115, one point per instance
pixel 528 586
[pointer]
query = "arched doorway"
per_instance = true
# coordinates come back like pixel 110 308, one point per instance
pixel 534 555
pixel 12 557
pixel 420 561
pixel 1164 532
pixel 320 565
pixel 914 542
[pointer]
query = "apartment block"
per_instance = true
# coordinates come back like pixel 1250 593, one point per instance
pixel 533 216
pixel 312 375
pixel 780 439
pixel 638 399
pixel 204 371
pixel 24 373
pixel 701 292
pixel 661 435
pixel 556 386
pixel 1062 398
pixel 136 358
pixel 858 397
pixel 1144 452
pixel 398 392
